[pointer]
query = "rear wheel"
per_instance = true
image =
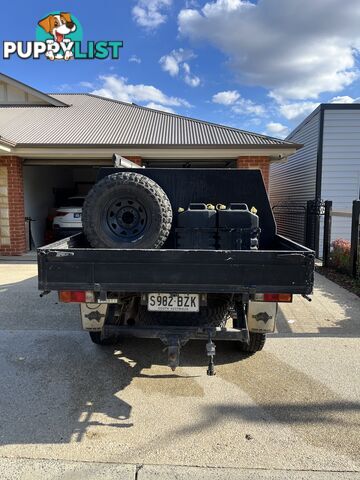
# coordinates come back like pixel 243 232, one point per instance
pixel 256 340
pixel 96 338
pixel 256 343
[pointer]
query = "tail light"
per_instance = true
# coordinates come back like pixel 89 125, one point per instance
pixel 59 213
pixel 274 297
pixel 71 296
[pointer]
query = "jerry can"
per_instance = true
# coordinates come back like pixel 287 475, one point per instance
pixel 238 228
pixel 196 227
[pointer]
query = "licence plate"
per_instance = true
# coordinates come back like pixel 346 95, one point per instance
pixel 177 302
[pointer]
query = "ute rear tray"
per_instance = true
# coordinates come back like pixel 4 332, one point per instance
pixel 70 264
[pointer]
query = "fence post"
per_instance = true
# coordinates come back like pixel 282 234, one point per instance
pixel 309 225
pixel 327 233
pixel 354 254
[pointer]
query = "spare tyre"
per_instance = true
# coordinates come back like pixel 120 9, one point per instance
pixel 126 210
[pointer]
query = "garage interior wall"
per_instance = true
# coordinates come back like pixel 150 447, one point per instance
pixel 39 185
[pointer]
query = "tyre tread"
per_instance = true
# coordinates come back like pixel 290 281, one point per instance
pixel 257 342
pixel 127 178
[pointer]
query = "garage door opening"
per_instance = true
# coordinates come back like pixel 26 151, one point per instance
pixel 46 189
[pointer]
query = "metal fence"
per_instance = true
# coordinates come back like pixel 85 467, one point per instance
pixel 301 222
pixel 291 221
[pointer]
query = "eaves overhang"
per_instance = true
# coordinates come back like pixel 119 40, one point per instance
pixel 73 152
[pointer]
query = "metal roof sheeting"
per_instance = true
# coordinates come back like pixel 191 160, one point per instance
pixel 92 120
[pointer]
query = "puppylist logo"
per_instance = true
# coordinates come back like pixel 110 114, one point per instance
pixel 59 36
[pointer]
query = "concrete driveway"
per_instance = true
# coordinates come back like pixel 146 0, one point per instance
pixel 70 409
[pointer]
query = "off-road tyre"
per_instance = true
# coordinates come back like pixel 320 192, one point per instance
pixel 213 314
pixel 96 338
pixel 126 210
pixel 109 320
pixel 257 342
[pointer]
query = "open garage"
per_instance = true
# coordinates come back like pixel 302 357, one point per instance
pixel 46 189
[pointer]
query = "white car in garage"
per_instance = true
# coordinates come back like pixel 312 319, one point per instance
pixel 67 219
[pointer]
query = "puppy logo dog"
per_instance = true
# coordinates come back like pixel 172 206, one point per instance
pixel 58 26
pixel 59 36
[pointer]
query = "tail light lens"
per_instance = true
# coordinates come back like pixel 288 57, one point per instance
pixel 59 213
pixel 274 297
pixel 71 296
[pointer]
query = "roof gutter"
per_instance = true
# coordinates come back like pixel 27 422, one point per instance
pixel 6 145
pixel 70 155
pixel 287 146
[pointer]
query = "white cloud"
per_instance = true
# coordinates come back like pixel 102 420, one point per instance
pixel 248 107
pixel 276 129
pixel 228 97
pixel 177 60
pixel 171 63
pixel 162 108
pixel 119 89
pixel 189 78
pixel 238 104
pixel 150 13
pixel 191 3
pixel 282 45
pixel 297 110
pixel 344 99
pixel 135 59
pixel 65 87
pixel 86 84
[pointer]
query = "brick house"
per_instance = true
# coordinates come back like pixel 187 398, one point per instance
pixel 55 143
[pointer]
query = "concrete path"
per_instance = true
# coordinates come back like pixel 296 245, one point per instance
pixel 67 406
pixel 13 469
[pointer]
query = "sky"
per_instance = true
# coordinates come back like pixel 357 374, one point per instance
pixel 261 66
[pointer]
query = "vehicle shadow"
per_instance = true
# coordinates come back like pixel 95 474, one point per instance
pixel 58 384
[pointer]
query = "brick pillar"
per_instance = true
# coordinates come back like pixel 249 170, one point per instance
pixel 263 163
pixel 12 212
pixel 137 160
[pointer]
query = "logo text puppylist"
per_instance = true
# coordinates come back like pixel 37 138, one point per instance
pixel 59 37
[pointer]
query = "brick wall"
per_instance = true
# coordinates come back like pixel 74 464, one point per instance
pixel 12 212
pixel 263 163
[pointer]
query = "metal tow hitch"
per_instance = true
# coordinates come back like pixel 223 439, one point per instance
pixel 173 346
pixel 211 351
pixel 173 356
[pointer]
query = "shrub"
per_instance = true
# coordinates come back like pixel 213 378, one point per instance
pixel 340 255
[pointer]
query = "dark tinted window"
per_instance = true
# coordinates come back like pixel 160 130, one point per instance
pixel 74 202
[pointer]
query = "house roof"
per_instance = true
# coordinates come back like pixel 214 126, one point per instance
pixel 89 120
pixel 41 97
